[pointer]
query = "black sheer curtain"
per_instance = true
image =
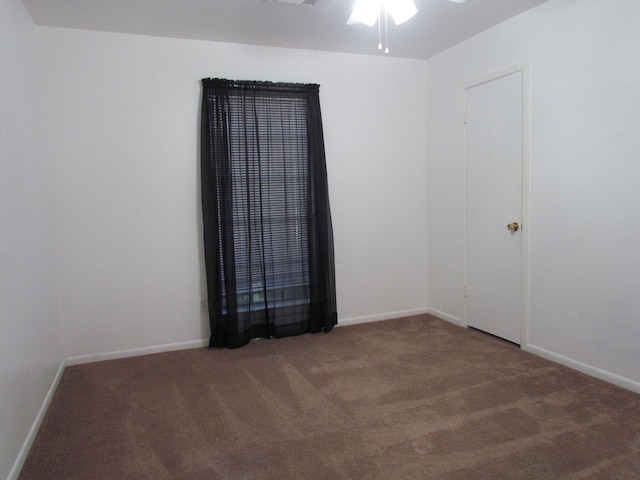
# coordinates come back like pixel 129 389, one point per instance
pixel 267 223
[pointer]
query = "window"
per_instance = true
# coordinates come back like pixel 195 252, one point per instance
pixel 268 237
pixel 268 156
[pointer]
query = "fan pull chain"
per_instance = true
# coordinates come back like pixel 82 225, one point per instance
pixel 386 31
pixel 379 31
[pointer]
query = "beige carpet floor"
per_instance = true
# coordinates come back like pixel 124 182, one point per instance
pixel 413 398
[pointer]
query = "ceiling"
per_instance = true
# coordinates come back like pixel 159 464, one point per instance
pixel 438 25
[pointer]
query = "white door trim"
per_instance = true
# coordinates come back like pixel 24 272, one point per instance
pixel 523 67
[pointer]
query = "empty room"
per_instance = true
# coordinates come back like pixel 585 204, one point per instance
pixel 477 167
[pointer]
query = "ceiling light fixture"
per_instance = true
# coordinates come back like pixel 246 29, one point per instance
pixel 294 2
pixel 370 11
pixel 367 11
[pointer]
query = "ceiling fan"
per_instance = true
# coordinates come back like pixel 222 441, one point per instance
pixel 370 11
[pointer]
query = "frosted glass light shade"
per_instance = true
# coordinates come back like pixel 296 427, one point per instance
pixel 367 11
pixel 400 10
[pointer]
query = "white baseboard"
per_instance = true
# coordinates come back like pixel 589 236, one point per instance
pixel 379 317
pixel 584 368
pixel 136 352
pixel 33 431
pixel 446 317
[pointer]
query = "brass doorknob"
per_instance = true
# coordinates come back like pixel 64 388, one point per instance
pixel 513 227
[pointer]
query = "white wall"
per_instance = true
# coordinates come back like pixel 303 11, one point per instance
pixel 29 341
pixel 123 112
pixel 585 225
pixel 112 192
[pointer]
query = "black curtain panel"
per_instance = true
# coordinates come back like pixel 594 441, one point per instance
pixel 267 223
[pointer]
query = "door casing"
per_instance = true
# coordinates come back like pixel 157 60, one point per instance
pixel 524 68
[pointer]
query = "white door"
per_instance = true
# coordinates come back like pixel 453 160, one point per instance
pixel 494 155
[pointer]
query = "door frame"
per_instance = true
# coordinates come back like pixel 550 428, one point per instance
pixel 524 68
